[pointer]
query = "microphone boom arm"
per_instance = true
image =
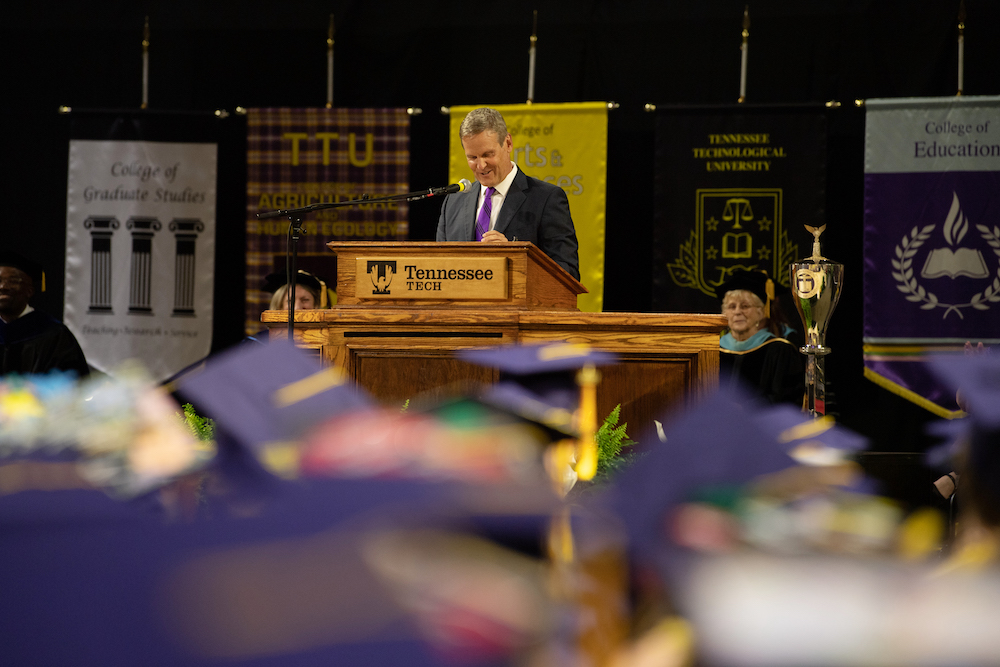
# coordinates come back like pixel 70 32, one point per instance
pixel 366 199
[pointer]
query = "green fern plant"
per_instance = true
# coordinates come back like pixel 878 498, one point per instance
pixel 612 439
pixel 203 428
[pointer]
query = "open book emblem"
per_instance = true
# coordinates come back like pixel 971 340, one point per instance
pixel 954 261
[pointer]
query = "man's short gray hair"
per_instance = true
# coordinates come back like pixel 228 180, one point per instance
pixel 483 119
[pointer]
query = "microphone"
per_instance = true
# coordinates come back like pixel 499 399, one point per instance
pixel 462 185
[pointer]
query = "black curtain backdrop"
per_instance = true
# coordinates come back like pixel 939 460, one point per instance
pixel 221 55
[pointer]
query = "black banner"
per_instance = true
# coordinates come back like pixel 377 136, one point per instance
pixel 734 187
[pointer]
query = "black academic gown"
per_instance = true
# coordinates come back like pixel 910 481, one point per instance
pixel 772 366
pixel 38 343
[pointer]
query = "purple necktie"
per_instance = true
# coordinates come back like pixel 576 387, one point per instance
pixel 483 221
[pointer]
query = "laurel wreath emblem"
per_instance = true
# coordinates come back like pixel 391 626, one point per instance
pixel 684 270
pixel 907 283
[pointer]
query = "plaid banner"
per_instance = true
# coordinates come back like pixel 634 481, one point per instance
pixel 298 157
pixel 932 242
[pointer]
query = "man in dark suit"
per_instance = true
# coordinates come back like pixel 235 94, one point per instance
pixel 518 208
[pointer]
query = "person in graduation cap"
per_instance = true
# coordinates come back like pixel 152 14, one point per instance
pixel 30 340
pixel 311 291
pixel 756 349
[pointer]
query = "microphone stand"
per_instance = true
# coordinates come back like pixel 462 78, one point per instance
pixel 296 216
pixel 291 269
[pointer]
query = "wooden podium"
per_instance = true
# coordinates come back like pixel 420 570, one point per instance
pixel 404 308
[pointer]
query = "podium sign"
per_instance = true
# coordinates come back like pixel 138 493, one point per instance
pixel 453 275
pixel 433 277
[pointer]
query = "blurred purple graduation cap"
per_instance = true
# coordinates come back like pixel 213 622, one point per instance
pixel 977 377
pixel 263 394
pixel 266 396
pixel 537 382
pixel 529 360
pixel 795 430
pixel 719 441
pixel 303 582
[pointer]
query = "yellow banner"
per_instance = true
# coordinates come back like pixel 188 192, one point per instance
pixel 564 144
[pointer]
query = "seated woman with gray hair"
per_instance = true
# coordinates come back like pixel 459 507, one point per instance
pixel 756 350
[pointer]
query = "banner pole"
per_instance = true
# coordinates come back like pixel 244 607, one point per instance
pixel 744 50
pixel 961 47
pixel 329 65
pixel 145 65
pixel 531 57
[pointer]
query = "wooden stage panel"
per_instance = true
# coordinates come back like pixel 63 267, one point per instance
pixel 647 388
pixel 395 375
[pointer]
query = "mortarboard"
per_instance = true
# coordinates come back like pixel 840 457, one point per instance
pixel 327 297
pixel 751 281
pixel 28 265
pixel 527 360
pixel 977 377
pixel 718 441
pixel 267 396
pixel 561 376
pixel 756 282
pixel 545 373
pixel 807 440
pixel 273 281
pixel 342 572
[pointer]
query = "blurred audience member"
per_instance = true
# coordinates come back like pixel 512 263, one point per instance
pixel 30 340
pixel 310 291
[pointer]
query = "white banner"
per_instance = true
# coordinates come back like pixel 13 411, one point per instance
pixel 140 252
pixel 932 134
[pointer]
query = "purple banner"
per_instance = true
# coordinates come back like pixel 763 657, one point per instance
pixel 932 242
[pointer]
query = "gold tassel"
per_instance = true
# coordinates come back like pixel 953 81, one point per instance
pixel 586 466
pixel 322 294
pixel 769 291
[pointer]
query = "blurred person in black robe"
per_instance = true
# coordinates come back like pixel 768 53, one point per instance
pixel 30 340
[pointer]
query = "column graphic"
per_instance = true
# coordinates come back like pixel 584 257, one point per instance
pixel 140 278
pixel 101 230
pixel 186 233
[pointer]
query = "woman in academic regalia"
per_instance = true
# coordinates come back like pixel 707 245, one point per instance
pixel 756 349
pixel 311 291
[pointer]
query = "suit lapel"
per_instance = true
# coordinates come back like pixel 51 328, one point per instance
pixel 515 197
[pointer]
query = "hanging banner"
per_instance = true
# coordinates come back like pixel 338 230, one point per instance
pixel 932 240
pixel 299 157
pixel 564 144
pixel 734 187
pixel 140 252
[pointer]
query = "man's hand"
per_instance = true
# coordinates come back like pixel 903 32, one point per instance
pixel 493 236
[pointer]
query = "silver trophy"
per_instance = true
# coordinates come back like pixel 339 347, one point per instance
pixel 816 283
